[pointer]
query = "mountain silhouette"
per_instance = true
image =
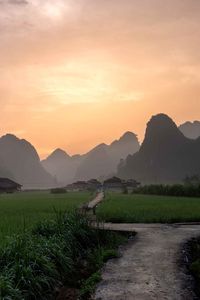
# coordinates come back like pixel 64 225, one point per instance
pixel 19 161
pixel 191 129
pixel 4 172
pixel 103 159
pixel 96 163
pixel 165 156
pixel 62 166
pixel 100 161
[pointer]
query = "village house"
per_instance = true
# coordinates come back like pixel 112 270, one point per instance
pixel 113 183
pixel 77 186
pixel 116 184
pixel 9 186
pixel 132 183
pixel 92 184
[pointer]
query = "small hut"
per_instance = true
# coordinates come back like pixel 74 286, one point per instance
pixel 9 186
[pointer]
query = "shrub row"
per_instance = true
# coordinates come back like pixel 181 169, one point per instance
pixel 58 191
pixel 193 261
pixel 169 190
pixel 65 251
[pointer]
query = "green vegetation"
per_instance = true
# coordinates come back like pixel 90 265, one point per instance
pixel 64 251
pixel 181 190
pixel 148 209
pixel 88 287
pixel 193 252
pixel 58 191
pixel 20 211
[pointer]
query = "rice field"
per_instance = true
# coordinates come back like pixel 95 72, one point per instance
pixel 134 208
pixel 20 211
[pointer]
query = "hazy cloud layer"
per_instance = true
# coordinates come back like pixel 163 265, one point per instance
pixel 14 2
pixel 66 55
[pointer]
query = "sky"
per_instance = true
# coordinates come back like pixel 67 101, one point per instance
pixel 75 73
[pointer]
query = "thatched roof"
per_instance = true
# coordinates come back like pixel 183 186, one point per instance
pixel 113 180
pixel 6 183
pixel 93 181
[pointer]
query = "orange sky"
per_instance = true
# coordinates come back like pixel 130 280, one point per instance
pixel 77 73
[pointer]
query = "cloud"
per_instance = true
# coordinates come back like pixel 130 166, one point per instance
pixel 138 54
pixel 18 2
pixel 14 2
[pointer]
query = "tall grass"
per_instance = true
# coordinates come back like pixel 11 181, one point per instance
pixel 20 211
pixel 134 208
pixel 180 190
pixel 63 251
pixel 191 256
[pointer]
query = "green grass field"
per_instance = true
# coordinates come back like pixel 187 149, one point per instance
pixel 148 209
pixel 20 211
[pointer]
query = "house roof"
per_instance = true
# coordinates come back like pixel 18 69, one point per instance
pixel 6 183
pixel 132 181
pixel 80 182
pixel 93 181
pixel 113 180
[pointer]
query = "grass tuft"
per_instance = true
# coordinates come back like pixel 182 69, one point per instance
pixel 64 251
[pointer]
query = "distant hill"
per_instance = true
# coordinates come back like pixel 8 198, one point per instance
pixel 165 156
pixel 96 163
pixel 20 161
pixel 191 129
pixel 103 159
pixel 62 166
pixel 100 161
pixel 4 172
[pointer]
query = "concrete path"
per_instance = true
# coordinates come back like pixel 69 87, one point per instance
pixel 148 268
pixel 99 197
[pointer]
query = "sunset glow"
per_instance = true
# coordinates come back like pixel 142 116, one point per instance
pixel 78 73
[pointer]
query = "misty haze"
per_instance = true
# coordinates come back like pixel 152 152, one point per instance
pixel 100 150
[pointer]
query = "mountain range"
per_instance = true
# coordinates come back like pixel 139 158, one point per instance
pixel 101 161
pixel 62 166
pixel 165 156
pixel 19 161
pixel 191 129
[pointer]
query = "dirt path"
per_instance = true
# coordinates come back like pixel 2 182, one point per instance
pixel 148 268
pixel 98 198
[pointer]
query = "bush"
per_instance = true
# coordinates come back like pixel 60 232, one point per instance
pixel 193 252
pixel 88 286
pixel 109 254
pixel 124 190
pixel 66 250
pixel 179 190
pixel 58 191
pixel 195 268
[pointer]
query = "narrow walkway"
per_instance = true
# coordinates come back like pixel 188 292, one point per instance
pixel 99 197
pixel 148 268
